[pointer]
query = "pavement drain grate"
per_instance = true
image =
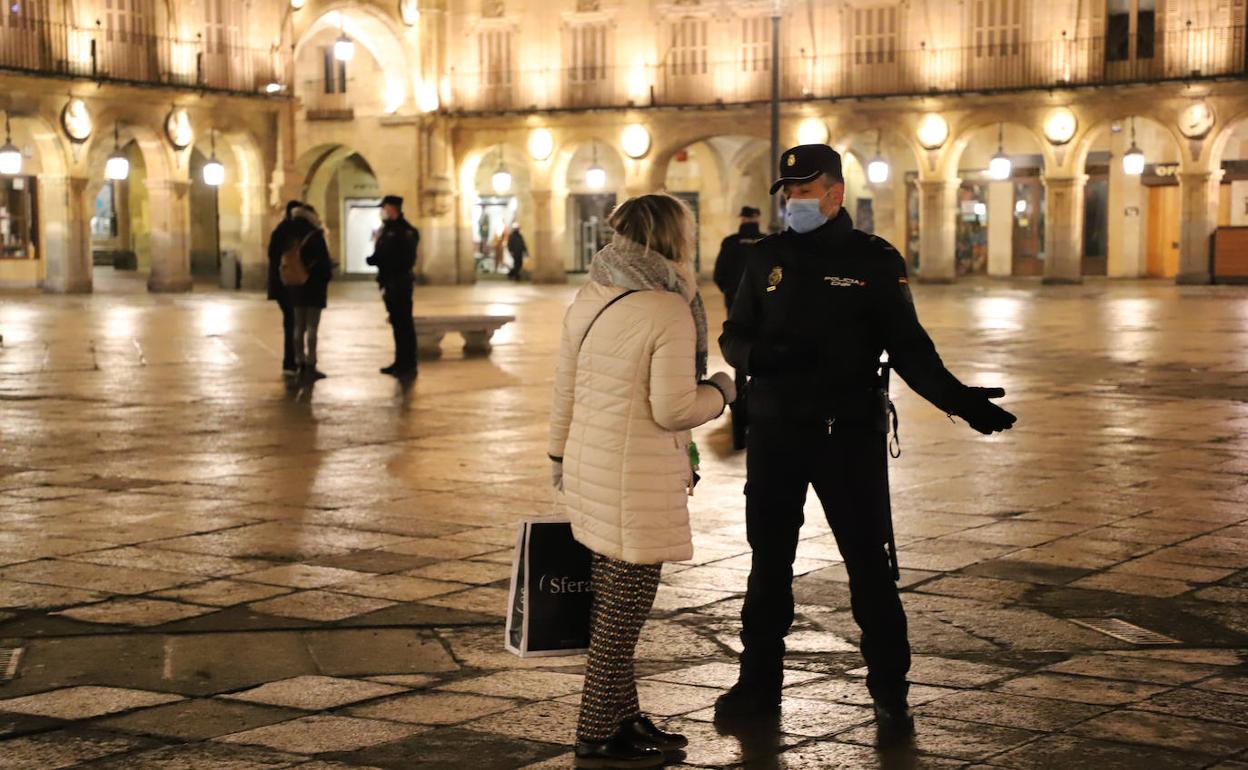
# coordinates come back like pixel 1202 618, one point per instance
pixel 9 658
pixel 1127 632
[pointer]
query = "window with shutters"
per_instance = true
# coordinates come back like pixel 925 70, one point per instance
pixel 997 28
pixel 1130 29
pixel 756 44
pixel 221 27
pixel 494 50
pixel 127 49
pixel 875 35
pixel 687 49
pixel 127 21
pixel 587 53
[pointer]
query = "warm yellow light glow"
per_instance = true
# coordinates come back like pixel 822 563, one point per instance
pixel 394 95
pixel 932 131
pixel 541 143
pixel 297 4
pixel 76 119
pixel 10 159
pixel 1060 125
pixel 344 48
pixel 1133 161
pixel 635 140
pixel 596 177
pixel 638 82
pixel 427 97
pixel 178 129
pixel 877 171
pixel 1000 167
pixel 812 131
pixel 117 167
pixel 501 181
pixel 214 172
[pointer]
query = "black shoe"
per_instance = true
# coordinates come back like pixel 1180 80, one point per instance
pixel 391 369
pixel 747 699
pixel 618 751
pixel 642 732
pixel 892 717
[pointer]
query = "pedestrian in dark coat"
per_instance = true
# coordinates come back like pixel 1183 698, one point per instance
pixel 277 292
pixel 729 267
pixel 394 256
pixel 309 299
pixel 518 250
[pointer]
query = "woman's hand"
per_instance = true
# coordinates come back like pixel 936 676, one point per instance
pixel 723 382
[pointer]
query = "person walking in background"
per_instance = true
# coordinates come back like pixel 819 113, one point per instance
pixel 308 299
pixel 278 242
pixel 627 395
pixel 518 250
pixel 729 267
pixel 394 256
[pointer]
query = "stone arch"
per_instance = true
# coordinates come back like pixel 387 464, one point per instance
pixel 48 164
pixel 378 34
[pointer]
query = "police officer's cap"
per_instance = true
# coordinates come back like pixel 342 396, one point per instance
pixel 806 162
pixel 392 200
pixel 748 212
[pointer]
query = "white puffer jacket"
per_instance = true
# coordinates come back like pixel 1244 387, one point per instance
pixel 621 418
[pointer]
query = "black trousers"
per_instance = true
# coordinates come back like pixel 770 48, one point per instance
pixel 517 266
pixel 848 468
pixel 398 301
pixel 740 410
pixel 288 332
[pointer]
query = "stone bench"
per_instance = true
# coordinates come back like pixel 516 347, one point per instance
pixel 477 330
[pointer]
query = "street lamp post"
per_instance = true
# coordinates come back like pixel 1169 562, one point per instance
pixel 773 222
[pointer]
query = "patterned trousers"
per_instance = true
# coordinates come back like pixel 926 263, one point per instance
pixel 623 596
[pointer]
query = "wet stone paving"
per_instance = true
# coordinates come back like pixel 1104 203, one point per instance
pixel 204 569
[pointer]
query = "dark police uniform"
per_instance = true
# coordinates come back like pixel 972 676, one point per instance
pixel 394 255
pixel 812 316
pixel 729 267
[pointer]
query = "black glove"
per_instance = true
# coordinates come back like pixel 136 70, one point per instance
pixel 983 415
pixel 783 355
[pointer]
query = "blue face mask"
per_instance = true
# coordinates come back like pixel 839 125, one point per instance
pixel 804 214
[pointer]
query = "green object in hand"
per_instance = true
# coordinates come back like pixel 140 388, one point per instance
pixel 695 460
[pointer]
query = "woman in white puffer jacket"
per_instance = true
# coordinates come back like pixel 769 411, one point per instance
pixel 627 393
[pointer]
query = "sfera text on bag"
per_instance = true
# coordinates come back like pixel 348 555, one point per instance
pixel 563 585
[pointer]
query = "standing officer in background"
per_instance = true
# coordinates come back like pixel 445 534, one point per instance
pixel 818 305
pixel 729 267
pixel 394 256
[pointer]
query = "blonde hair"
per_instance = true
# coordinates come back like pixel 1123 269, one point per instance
pixel 658 221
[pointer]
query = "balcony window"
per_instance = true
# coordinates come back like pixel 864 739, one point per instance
pixel 687 55
pixel 756 44
pixel 875 35
pixel 997 28
pixel 494 47
pixel 335 72
pixel 587 45
pixel 1130 22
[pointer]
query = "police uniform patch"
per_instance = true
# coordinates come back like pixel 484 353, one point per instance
pixel 774 279
pixel 792 160
pixel 834 280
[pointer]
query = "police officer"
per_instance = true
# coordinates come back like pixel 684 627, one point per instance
pixel 394 256
pixel 729 267
pixel 818 305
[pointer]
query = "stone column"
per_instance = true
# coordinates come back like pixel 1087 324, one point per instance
pixel 937 229
pixel 65 234
pixel 547 258
pixel 1063 229
pixel 170 236
pixel 1126 225
pixel 1001 228
pixel 1198 212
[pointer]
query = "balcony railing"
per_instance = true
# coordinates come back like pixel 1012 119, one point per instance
pixel 101 53
pixel 1178 55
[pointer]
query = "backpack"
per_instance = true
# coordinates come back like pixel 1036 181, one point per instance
pixel 291 270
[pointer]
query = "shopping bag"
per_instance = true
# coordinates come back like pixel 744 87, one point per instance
pixel 550 599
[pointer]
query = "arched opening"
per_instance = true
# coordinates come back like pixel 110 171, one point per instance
pixel 121 227
pixel 716 177
pixel 888 206
pixel 592 181
pixel 1230 249
pixel 331 86
pixel 1131 215
pixel 501 201
pixel 32 211
pixel 341 185
pixel 1000 206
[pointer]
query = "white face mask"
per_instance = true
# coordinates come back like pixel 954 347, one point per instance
pixel 805 214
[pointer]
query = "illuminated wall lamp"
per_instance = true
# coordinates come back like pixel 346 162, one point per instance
pixel 501 180
pixel 595 175
pixel 214 171
pixel 344 46
pixel 10 156
pixel 1133 161
pixel 877 169
pixel 117 167
pixel 1000 167
pixel 541 144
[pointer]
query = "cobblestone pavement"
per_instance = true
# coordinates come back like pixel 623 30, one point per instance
pixel 206 570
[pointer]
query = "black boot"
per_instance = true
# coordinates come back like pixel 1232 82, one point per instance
pixel 615 752
pixel 748 698
pixel 893 718
pixel 642 732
